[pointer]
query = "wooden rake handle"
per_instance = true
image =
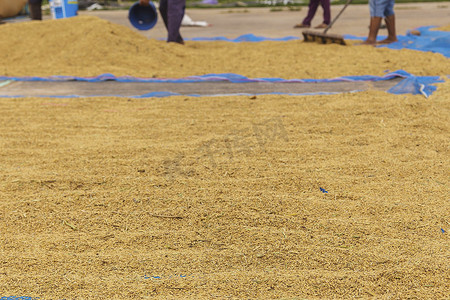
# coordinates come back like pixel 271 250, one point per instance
pixel 338 15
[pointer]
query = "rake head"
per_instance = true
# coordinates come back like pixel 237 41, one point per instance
pixel 323 38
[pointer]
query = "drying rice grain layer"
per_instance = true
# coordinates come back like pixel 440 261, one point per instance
pixel 101 195
pixel 204 198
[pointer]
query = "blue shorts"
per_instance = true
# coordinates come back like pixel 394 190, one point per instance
pixel 381 8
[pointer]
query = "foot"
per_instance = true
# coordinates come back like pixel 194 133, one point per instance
pixel 323 25
pixel 177 42
pixel 368 42
pixel 387 41
pixel 301 26
pixel 180 40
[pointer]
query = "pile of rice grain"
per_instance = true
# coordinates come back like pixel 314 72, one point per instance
pixel 90 46
pixel 443 28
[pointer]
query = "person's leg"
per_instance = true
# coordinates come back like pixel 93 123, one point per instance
pixel 312 8
pixel 34 7
pixel 375 23
pixel 392 35
pixel 175 13
pixel 326 11
pixel 163 11
pixel 390 24
pixel 376 15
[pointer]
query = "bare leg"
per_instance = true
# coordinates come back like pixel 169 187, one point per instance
pixel 392 35
pixel 375 23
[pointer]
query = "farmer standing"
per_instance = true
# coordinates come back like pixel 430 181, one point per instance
pixel 172 12
pixel 380 9
pixel 313 5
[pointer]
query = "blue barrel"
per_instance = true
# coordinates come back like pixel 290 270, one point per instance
pixel 143 17
pixel 63 8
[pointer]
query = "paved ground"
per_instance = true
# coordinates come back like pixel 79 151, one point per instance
pixel 234 22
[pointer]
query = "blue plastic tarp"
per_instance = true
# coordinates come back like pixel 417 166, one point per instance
pixel 410 84
pixel 429 41
pixel 245 38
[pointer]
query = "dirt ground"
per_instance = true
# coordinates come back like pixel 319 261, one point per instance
pixel 267 197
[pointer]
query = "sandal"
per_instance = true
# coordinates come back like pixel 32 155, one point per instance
pixel 301 26
pixel 323 25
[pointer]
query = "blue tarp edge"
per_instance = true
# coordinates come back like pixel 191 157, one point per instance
pixel 429 40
